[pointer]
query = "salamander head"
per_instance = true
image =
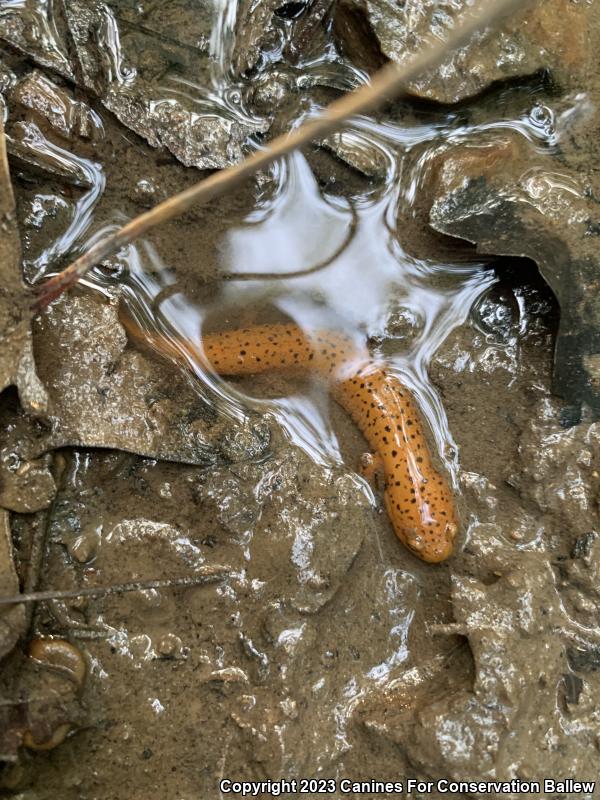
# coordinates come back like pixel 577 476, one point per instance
pixel 432 544
pixel 431 538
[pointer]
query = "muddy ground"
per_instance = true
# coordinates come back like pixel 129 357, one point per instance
pixel 456 231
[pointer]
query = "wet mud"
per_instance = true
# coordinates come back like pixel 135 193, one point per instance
pixel 451 238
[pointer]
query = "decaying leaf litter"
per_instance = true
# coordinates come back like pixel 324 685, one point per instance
pixel 281 648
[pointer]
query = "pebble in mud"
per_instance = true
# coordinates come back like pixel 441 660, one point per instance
pixel 59 735
pixel 270 90
pixel 169 646
pixel 84 547
pixel 145 192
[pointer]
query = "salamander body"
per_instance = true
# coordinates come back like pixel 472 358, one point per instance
pixel 418 499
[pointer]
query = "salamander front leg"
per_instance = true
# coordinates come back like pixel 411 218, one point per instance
pixel 371 468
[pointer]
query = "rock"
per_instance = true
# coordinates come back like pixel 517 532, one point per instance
pixel 69 117
pixel 52 220
pixel 360 153
pixel 295 29
pixel 508 201
pixel 307 28
pixel 29 148
pixel 126 83
pixel 256 31
pixel 35 29
pixel 552 34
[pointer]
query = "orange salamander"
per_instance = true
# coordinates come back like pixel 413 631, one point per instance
pixel 418 499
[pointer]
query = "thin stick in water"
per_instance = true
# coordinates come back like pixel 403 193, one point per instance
pixel 205 575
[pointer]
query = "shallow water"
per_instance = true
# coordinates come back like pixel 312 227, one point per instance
pixel 347 267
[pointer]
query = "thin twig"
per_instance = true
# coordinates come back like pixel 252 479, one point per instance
pixel 386 84
pixel 210 574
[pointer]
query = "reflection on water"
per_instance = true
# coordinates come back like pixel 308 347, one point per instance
pixel 324 258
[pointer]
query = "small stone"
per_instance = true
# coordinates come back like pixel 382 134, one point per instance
pixel 169 646
pixel 84 547
pixel 289 708
pixel 165 491
pixel 329 658
pixel 145 192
